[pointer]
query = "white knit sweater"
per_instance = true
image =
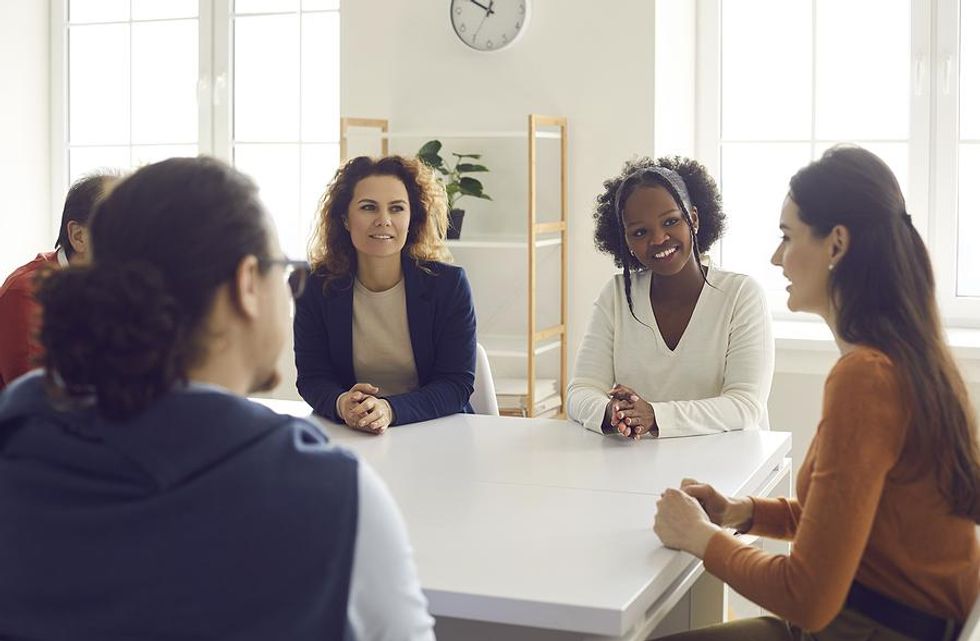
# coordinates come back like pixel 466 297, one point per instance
pixel 716 379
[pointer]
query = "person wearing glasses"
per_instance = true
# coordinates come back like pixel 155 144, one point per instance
pixel 888 495
pixel 385 334
pixel 143 496
pixel 675 346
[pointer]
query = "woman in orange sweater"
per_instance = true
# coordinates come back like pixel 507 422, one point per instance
pixel 883 529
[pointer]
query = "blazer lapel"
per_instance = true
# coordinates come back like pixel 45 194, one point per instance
pixel 418 299
pixel 340 328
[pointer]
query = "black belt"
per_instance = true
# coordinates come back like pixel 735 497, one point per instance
pixel 900 617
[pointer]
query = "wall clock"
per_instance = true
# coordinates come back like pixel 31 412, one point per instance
pixel 489 25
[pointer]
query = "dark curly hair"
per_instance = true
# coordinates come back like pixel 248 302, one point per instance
pixel 127 328
pixel 700 186
pixel 610 235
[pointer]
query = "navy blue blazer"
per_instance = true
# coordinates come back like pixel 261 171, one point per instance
pixel 442 327
pixel 206 516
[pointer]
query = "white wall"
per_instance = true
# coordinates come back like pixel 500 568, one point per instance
pixel 675 73
pixel 25 217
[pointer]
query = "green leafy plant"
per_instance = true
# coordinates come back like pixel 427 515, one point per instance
pixel 457 185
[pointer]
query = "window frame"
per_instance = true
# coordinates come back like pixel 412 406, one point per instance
pixel 933 136
pixel 215 90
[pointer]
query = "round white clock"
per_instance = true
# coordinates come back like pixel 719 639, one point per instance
pixel 489 25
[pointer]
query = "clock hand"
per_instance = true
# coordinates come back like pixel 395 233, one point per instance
pixel 489 9
pixel 480 26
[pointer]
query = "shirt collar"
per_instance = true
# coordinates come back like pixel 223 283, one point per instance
pixel 62 257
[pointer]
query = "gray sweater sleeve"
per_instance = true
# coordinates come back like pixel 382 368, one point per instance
pixel 386 601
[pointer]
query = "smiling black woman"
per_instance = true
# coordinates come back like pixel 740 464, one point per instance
pixel 692 351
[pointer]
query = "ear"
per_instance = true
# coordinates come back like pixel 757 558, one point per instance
pixel 694 219
pixel 838 242
pixel 245 288
pixel 78 237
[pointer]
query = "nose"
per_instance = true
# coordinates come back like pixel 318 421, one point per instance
pixel 777 256
pixel 658 238
pixel 383 219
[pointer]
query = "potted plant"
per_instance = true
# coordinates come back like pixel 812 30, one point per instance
pixel 457 185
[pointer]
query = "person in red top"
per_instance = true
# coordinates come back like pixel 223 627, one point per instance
pixel 19 312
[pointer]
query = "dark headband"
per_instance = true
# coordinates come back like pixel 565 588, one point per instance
pixel 674 183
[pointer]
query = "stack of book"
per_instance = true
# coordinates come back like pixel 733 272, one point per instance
pixel 512 397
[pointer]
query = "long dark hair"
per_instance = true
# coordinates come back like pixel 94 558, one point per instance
pixel 331 249
pixel 883 292
pixel 127 328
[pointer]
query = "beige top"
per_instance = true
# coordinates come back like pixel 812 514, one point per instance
pixel 383 354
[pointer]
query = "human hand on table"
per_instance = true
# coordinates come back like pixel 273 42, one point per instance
pixel 682 524
pixel 722 510
pixel 362 410
pixel 630 414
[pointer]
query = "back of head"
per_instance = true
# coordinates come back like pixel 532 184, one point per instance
pixel 80 202
pixel 331 249
pixel 128 327
pixel 883 294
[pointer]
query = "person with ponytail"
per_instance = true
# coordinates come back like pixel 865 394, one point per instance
pixel 143 496
pixel 888 495
pixel 675 347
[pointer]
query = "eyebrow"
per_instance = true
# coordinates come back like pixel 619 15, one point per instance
pixel 373 201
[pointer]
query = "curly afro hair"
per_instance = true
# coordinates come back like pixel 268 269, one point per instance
pixel 701 187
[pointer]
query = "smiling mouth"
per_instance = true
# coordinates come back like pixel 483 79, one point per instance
pixel 382 236
pixel 665 254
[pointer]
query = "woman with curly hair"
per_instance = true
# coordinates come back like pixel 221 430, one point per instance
pixel 386 332
pixel 693 353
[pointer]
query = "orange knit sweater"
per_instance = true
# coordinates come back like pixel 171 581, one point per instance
pixel 854 520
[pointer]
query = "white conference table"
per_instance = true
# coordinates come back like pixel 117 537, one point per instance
pixel 540 529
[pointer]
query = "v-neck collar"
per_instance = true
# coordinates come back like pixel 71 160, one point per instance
pixel 648 316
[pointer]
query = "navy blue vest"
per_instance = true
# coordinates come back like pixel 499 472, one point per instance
pixel 205 517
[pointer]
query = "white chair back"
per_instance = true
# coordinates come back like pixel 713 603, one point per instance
pixel 484 397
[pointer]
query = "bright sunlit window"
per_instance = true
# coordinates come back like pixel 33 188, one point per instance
pixel 286 113
pixel 128 104
pixel 821 72
pixel 968 263
pixel 254 82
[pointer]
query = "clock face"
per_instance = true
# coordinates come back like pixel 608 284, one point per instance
pixel 488 25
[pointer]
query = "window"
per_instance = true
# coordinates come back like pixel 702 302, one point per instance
pixel 128 104
pixel 254 82
pixel 286 116
pixel 774 95
pixel 968 262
